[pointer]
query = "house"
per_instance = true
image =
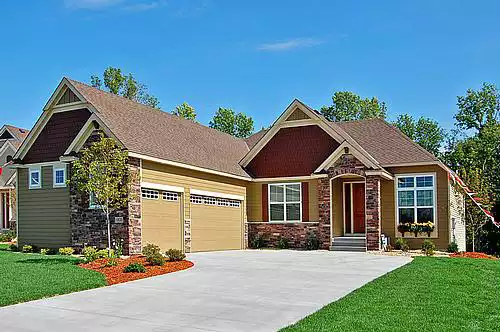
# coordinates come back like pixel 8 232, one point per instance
pixel 10 139
pixel 197 189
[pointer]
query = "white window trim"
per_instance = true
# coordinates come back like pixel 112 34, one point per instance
pixel 35 170
pixel 284 202
pixel 54 170
pixel 414 189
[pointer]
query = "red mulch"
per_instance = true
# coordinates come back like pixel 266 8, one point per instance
pixel 472 255
pixel 115 274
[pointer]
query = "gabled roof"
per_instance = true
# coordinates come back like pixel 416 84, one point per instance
pixel 19 134
pixel 386 143
pixel 154 133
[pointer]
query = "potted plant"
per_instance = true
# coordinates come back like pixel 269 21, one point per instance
pixel 427 227
pixel 415 228
pixel 403 228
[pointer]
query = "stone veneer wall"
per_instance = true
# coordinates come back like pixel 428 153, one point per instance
pixel 88 226
pixel 372 212
pixel 295 233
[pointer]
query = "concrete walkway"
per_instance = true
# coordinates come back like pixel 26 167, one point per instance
pixel 224 291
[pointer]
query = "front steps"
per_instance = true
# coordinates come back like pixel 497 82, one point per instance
pixel 349 243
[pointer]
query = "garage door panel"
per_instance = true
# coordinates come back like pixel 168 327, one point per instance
pixel 161 223
pixel 216 228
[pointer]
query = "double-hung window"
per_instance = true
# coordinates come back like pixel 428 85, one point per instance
pixel 416 198
pixel 59 176
pixel 285 202
pixel 35 178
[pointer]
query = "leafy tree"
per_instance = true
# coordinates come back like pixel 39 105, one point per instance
pixel 479 109
pixel 102 171
pixel 424 131
pixel 185 111
pixel 348 106
pixel 124 85
pixel 227 121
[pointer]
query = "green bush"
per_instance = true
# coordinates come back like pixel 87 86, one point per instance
pixel 66 251
pixel 111 262
pixel 257 241
pixel 283 243
pixel 27 248
pixel 151 250
pixel 156 259
pixel 13 247
pixel 400 243
pixel 452 247
pixel 90 254
pixel 428 247
pixel 312 242
pixel 103 253
pixel 7 236
pixel 134 267
pixel 175 255
pixel 44 251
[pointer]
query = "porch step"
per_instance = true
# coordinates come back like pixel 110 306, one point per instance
pixel 349 243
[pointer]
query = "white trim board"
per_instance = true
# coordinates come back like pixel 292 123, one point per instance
pixel 163 187
pixel 292 178
pixel 216 194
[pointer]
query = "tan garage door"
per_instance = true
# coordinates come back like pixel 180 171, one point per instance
pixel 161 219
pixel 216 224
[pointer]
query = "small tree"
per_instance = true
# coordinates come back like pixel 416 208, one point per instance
pixel 102 171
pixel 185 111
pixel 235 124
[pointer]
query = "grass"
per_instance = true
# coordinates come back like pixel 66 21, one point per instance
pixel 25 277
pixel 431 294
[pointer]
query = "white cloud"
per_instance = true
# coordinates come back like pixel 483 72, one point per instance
pixel 90 4
pixel 140 7
pixel 290 44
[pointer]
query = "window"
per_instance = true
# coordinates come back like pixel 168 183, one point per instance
pixel 170 196
pixel 209 200
pixel 35 178
pixel 93 202
pixel 285 202
pixel 150 194
pixel 195 199
pixel 234 203
pixel 59 179
pixel 416 198
pixel 222 202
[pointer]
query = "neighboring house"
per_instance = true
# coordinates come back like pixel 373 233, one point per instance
pixel 198 189
pixel 10 139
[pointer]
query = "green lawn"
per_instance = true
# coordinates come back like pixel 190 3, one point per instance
pixel 25 277
pixel 429 294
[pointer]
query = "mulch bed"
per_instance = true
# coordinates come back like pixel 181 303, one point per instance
pixel 473 255
pixel 115 274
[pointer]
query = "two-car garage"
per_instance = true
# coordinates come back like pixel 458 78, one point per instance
pixel 216 219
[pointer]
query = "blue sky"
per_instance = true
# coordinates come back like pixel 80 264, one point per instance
pixel 252 56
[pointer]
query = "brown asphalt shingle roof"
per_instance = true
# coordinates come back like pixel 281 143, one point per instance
pixel 158 134
pixel 386 143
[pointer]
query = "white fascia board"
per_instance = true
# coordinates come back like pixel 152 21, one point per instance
pixel 164 187
pixel 292 178
pixel 216 194
pixel 382 173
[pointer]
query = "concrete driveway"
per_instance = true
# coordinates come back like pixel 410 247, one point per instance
pixel 224 291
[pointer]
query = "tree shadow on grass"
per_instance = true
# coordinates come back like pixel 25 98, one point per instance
pixel 49 261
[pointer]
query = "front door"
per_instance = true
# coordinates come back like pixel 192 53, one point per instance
pixel 358 208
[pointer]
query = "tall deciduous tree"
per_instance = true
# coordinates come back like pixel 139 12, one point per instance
pixel 185 111
pixel 479 109
pixel 227 121
pixel 124 85
pixel 348 106
pixel 102 172
pixel 424 131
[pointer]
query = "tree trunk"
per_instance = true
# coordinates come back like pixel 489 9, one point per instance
pixel 109 233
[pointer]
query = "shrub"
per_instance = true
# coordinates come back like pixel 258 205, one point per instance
pixel 103 253
pixel 7 236
pixel 151 250
pixel 13 247
pixel 66 251
pixel 44 251
pixel 27 248
pixel 90 254
pixel 283 243
pixel 428 247
pixel 134 267
pixel 257 241
pixel 111 262
pixel 312 242
pixel 175 255
pixel 156 259
pixel 398 245
pixel 453 247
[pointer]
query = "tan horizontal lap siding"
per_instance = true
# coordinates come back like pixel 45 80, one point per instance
pixel 388 205
pixel 254 200
pixel 43 217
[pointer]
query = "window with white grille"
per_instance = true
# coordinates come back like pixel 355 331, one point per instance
pixel 209 200
pixel 150 194
pixel 222 202
pixel 170 196
pixel 195 199
pixel 234 203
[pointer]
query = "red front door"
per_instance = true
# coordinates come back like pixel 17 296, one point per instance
pixel 358 208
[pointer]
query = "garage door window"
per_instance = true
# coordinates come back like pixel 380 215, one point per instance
pixel 209 200
pixel 170 196
pixel 150 194
pixel 285 202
